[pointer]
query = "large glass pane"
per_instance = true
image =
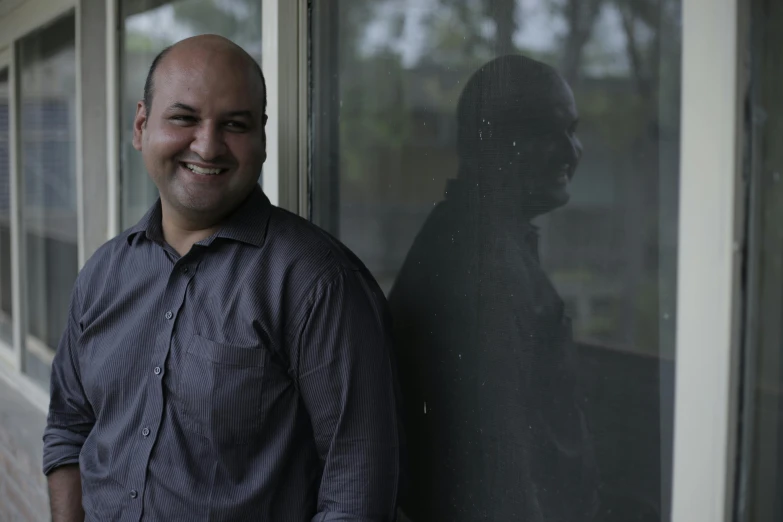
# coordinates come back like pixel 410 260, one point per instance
pixel 6 332
pixel 508 170
pixel 149 26
pixel 47 108
pixel 761 436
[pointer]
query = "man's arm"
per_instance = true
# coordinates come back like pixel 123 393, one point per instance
pixel 65 494
pixel 345 373
pixel 68 424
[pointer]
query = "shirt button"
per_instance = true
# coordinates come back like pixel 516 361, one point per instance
pixel 134 493
pixel 145 432
pixel 157 370
pixel 185 270
pixel 169 315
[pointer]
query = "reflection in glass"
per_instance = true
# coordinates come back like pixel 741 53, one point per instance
pixel 478 324
pixel 47 107
pixel 6 332
pixel 454 177
pixel 761 436
pixel 148 27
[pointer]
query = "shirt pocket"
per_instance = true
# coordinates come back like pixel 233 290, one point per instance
pixel 221 390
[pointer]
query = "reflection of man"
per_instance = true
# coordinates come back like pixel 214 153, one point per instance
pixel 224 359
pixel 494 427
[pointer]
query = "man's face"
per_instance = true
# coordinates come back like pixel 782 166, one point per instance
pixel 536 150
pixel 203 139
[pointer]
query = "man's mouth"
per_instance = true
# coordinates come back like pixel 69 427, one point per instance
pixel 204 171
pixel 564 175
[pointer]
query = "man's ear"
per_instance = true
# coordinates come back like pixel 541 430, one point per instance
pixel 139 124
pixel 263 132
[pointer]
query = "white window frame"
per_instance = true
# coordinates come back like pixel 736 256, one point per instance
pixel 284 62
pixel 9 353
pixel 711 228
pixel 20 18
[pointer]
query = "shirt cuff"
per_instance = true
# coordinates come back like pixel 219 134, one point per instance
pixel 61 447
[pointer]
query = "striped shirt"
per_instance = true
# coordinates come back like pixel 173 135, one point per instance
pixel 248 380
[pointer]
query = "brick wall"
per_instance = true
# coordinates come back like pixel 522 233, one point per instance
pixel 23 496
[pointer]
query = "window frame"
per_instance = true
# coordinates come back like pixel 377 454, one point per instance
pixel 9 353
pixel 710 260
pixel 20 20
pixel 711 227
pixel 285 64
pixel 710 232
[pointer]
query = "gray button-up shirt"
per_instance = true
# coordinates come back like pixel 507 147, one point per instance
pixel 249 380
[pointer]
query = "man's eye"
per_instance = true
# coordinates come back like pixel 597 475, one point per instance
pixel 183 118
pixel 236 125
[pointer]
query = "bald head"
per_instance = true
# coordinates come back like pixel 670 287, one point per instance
pixel 514 90
pixel 202 47
pixel 516 134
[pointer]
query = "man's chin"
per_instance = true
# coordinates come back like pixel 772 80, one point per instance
pixel 554 199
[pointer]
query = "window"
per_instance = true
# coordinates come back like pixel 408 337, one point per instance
pixel 148 26
pixel 762 427
pixel 6 324
pixel 47 116
pixel 509 172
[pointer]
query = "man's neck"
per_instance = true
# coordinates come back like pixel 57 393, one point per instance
pixel 181 234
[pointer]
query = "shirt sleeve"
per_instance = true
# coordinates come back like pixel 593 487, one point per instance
pixel 345 376
pixel 70 418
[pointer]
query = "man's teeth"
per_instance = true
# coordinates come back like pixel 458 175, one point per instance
pixel 199 170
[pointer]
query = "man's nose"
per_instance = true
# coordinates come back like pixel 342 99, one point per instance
pixel 572 149
pixel 208 142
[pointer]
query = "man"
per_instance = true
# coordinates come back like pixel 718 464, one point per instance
pixel 224 360
pixel 496 430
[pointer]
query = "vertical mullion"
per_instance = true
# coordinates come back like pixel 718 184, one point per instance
pixel 5 63
pixel 709 261
pixel 282 62
pixel 112 116
pixel 78 140
pixel 16 188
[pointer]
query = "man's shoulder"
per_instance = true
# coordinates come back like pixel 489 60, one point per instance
pixel 103 257
pixel 297 242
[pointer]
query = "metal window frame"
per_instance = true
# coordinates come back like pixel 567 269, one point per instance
pixel 284 61
pixel 113 116
pixel 711 235
pixel 18 21
pixel 29 16
pixel 9 353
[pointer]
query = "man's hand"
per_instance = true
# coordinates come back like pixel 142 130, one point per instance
pixel 65 494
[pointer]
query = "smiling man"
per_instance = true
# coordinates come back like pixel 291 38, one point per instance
pixel 224 360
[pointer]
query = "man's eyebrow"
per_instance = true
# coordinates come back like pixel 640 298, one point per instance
pixel 182 106
pixel 239 114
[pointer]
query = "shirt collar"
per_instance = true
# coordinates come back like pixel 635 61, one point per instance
pixel 246 224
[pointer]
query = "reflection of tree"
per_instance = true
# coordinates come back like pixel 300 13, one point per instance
pixel 609 50
pixel 580 16
pixel 238 20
